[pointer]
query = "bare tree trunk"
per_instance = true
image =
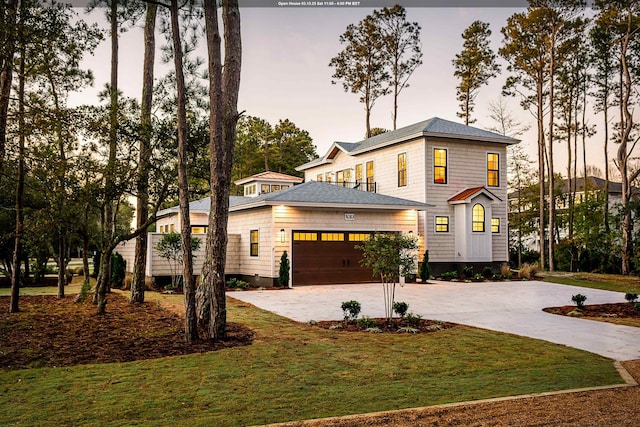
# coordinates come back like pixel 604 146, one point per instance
pixel 6 70
pixel 223 93
pixel 17 252
pixel 62 277
pixel 85 257
pixel 552 202
pixel 191 326
pixel 541 168
pixel 142 203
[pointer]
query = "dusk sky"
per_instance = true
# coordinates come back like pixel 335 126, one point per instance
pixel 285 72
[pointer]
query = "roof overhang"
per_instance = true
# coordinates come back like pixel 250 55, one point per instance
pixel 332 206
pixel 467 195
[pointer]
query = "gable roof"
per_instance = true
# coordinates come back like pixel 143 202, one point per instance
pixel 269 176
pixel 434 127
pixel 465 196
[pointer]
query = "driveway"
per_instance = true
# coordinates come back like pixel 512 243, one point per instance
pixel 511 307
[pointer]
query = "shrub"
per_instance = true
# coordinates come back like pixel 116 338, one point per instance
pixel 579 300
pixel 118 267
pixel 400 308
pixel 366 322
pixel 479 277
pixel 449 275
pixel 283 274
pixel 487 272
pixel 234 283
pixel 467 271
pixel 351 309
pixel 631 297
pixel 84 292
pixel 413 319
pixel 425 269
pixel 505 271
pixel 528 271
pixel 408 330
pixel 496 277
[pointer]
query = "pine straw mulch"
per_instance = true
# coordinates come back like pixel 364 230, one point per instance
pixel 388 327
pixel 59 332
pixel 612 407
pixel 613 313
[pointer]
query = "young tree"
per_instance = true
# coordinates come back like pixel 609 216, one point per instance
pixel 401 42
pixel 390 256
pixel 474 66
pixel 223 119
pixel 142 203
pixel 170 248
pixel 361 65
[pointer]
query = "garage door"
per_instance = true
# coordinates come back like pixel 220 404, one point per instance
pixel 321 257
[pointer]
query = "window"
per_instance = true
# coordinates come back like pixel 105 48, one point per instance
pixel 319 177
pixel 162 228
pixel 442 224
pixel 359 237
pixel 275 188
pixel 253 242
pixel 358 173
pixel 264 188
pixel 402 170
pixel 199 229
pixel 302 236
pixel 249 190
pixel 332 237
pixel 495 225
pixel 340 177
pixel 493 170
pixel 328 176
pixel 439 166
pixel 172 228
pixel 478 218
pixel 370 186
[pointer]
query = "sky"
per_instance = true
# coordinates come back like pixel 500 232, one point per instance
pixel 286 73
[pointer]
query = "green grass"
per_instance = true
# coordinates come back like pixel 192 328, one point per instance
pixel 608 282
pixel 296 371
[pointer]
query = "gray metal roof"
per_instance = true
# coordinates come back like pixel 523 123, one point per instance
pixel 434 127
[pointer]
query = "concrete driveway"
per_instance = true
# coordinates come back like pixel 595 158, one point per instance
pixel 512 307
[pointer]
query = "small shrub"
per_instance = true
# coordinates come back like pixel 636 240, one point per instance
pixel 336 326
pixel 496 277
pixel 313 322
pixel 373 330
pixel 467 271
pixel 425 269
pixel 400 308
pixel 487 272
pixel 84 292
pixel 118 270
pixel 630 297
pixel 413 319
pixel 366 322
pixel 505 271
pixel 528 271
pixel 234 283
pixel 408 330
pixel 449 275
pixel 579 300
pixel 479 277
pixel 351 309
pixel 283 273
pixel 68 275
pixel 436 326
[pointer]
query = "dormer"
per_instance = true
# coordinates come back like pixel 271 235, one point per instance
pixel 267 182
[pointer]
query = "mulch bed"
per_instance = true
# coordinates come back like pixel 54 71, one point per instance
pixel 394 326
pixel 59 332
pixel 619 310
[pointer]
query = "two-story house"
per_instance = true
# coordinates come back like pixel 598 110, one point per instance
pixel 460 170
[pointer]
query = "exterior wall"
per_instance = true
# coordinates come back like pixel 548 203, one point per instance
pixel 241 223
pixel 197 219
pixel 466 168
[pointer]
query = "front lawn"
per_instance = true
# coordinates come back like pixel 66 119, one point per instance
pixel 608 282
pixel 296 371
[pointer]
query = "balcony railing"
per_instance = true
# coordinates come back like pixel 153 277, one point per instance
pixel 363 186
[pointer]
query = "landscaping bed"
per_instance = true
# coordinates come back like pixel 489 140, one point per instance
pixel 59 332
pixel 620 313
pixel 380 325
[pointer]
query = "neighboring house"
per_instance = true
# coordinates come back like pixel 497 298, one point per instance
pixel 460 170
pixel 442 181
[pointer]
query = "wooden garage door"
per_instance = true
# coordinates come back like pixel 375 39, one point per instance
pixel 330 257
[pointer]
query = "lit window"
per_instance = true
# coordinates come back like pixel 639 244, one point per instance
pixel 478 218
pixel 265 188
pixel 275 188
pixel 319 177
pixel 442 224
pixel 171 228
pixel 302 236
pixel 253 242
pixel 340 177
pixel 370 185
pixel 199 229
pixel 328 176
pixel 439 166
pixel 162 228
pixel 495 225
pixel 359 237
pixel 402 170
pixel 332 237
pixel 493 170
pixel 359 173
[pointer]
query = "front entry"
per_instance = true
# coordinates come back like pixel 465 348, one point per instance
pixel 328 257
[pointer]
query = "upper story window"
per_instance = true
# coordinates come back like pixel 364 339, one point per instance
pixel 265 188
pixel 358 173
pixel 439 166
pixel 250 190
pixel 402 170
pixel 493 170
pixel 319 177
pixel 478 218
pixel 253 242
pixel 370 176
